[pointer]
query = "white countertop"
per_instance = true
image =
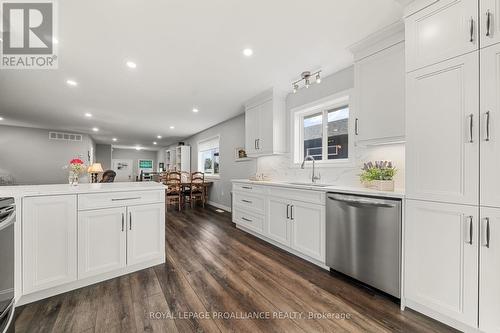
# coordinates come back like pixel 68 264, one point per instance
pixel 330 188
pixel 60 189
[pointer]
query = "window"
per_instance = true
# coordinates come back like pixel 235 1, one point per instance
pixel 208 156
pixel 322 132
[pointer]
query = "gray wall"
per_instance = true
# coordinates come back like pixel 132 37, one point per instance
pixel 27 155
pixel 103 155
pixel 232 136
pixel 135 155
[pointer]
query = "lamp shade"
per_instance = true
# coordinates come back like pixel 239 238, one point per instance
pixel 95 168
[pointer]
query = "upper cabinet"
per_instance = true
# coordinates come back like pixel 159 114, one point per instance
pixel 442 31
pixel 379 84
pixel 265 125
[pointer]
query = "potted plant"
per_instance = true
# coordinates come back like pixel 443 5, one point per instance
pixel 76 167
pixel 378 175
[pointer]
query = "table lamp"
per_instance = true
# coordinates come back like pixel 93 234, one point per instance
pixel 94 169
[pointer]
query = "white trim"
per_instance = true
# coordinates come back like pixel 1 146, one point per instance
pixel 217 136
pixel 198 151
pixel 220 206
pixel 331 101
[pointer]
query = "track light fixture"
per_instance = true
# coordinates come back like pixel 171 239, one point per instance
pixel 306 77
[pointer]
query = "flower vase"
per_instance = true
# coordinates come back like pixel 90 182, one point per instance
pixel 73 178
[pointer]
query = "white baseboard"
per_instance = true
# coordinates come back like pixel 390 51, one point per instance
pixel 218 205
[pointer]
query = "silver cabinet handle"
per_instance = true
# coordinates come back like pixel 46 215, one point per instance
pixel 291 213
pixel 487 126
pixel 356 131
pixel 247 187
pixel 471 128
pixel 471 226
pixel 487 232
pixel 471 30
pixel 255 144
pixel 247 201
pixel 258 144
pixel 123 222
pixel 130 221
pixel 245 219
pixel 287 212
pixel 123 199
pixel 488 23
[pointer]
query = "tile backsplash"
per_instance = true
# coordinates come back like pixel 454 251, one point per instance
pixel 280 168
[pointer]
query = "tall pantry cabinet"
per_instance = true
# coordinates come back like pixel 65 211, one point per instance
pixel 452 225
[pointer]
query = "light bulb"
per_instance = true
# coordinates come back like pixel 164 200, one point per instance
pixel 307 83
pixel 318 78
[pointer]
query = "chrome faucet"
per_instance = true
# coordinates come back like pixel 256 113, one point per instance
pixel 314 178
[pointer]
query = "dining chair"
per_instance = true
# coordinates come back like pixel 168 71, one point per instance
pixel 185 177
pixel 174 191
pixel 196 191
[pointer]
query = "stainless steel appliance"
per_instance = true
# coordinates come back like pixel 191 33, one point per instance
pixel 7 221
pixel 363 239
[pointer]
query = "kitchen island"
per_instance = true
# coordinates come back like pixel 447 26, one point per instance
pixel 68 236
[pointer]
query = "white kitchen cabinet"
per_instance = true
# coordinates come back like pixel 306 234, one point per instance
pixel 278 216
pixel 102 241
pixel 379 86
pixel 489 271
pixel 441 31
pixel 441 260
pixel 49 241
pixel 490 127
pixel 308 229
pixel 146 233
pixel 442 132
pixel 265 125
pixel 489 16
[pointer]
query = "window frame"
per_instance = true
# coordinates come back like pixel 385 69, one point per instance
pixel 200 166
pixel 323 105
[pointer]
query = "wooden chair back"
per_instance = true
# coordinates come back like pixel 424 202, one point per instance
pixel 173 182
pixel 185 177
pixel 197 181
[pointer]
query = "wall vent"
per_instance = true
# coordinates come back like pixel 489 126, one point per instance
pixel 65 136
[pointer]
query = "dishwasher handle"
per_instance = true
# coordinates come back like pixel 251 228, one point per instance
pixel 363 201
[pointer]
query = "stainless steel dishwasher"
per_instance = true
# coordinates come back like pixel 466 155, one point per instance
pixel 363 239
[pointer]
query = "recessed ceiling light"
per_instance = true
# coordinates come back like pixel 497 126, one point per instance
pixel 114 139
pixel 172 127
pixel 195 110
pixel 138 148
pixel 247 52
pixel 131 64
pixel 88 115
pixel 72 83
pixel 158 136
pixel 155 143
pixel 95 129
pixel 1 118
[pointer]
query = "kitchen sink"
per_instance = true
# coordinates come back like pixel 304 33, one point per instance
pixel 310 184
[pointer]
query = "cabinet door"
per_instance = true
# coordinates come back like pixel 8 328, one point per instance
pixel 489 16
pixel 308 229
pixel 251 129
pixel 278 227
pixel 446 29
pixel 441 250
pixel 102 241
pixel 49 242
pixel 380 95
pixel 490 129
pixel 146 233
pixel 442 146
pixel 265 143
pixel 489 271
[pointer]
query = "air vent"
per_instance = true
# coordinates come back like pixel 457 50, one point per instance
pixel 65 136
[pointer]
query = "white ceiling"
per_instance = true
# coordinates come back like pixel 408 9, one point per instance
pixel 188 53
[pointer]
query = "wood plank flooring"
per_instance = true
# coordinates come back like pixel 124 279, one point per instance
pixel 220 279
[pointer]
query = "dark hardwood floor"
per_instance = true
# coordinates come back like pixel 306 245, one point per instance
pixel 213 271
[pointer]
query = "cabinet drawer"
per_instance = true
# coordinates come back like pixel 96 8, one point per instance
pixel 119 199
pixel 317 197
pixel 249 188
pixel 249 202
pixel 248 220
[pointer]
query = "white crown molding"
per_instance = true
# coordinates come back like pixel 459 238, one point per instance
pixel 379 40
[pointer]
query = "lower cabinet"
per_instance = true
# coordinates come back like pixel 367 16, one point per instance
pixel 145 233
pixel 441 260
pixel 489 271
pixel 102 241
pixel 299 225
pixel 49 241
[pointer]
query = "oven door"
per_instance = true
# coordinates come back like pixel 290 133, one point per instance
pixel 7 221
